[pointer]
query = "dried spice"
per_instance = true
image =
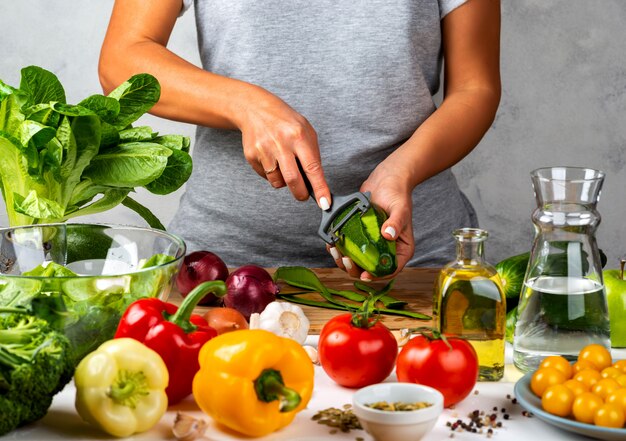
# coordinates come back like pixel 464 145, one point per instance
pixel 398 406
pixel 343 419
pixel 480 422
pixel 484 422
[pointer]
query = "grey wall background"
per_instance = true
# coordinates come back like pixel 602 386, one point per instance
pixel 563 103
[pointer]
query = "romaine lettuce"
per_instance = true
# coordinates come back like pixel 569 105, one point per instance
pixel 59 161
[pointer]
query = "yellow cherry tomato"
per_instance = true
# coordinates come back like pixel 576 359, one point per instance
pixel 618 397
pixel 585 406
pixel 609 415
pixel 581 365
pixel 544 378
pixel 621 380
pixel 558 362
pixel 558 400
pixel 621 365
pixel 604 387
pixel 576 386
pixel 611 372
pixel 588 377
pixel 596 354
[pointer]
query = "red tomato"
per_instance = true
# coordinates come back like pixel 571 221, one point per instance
pixel 453 372
pixel 353 356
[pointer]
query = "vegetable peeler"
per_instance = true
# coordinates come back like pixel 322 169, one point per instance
pixel 328 229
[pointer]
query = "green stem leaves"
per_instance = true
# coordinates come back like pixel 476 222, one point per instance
pixel 365 305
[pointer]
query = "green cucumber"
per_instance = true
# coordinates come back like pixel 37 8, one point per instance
pixel 512 271
pixel 361 240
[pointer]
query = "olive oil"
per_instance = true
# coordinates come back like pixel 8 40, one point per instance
pixel 469 302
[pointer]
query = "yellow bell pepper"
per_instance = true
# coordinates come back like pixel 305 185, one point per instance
pixel 120 387
pixel 253 381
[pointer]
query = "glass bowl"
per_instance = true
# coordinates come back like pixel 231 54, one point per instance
pixel 82 277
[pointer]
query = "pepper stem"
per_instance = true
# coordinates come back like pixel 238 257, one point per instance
pixel 127 388
pixel 183 313
pixel 269 386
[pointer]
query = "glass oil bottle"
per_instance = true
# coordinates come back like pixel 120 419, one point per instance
pixel 470 303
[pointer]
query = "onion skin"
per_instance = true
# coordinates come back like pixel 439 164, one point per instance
pixel 224 319
pixel 250 289
pixel 198 267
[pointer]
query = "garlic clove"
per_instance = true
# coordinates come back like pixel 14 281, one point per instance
pixel 312 353
pixel 402 336
pixel 188 428
pixel 255 321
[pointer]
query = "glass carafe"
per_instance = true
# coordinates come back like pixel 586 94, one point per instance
pixel 469 302
pixel 563 304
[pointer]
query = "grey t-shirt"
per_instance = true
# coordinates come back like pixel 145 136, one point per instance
pixel 363 72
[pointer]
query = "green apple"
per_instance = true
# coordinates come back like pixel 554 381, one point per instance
pixel 615 286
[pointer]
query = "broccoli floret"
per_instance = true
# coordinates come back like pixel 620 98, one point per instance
pixel 36 362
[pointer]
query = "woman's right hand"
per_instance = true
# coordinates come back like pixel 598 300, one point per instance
pixel 275 138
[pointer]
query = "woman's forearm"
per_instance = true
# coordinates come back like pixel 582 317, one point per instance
pixel 448 135
pixel 471 46
pixel 188 93
pixel 136 42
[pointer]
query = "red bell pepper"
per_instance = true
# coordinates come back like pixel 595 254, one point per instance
pixel 174 333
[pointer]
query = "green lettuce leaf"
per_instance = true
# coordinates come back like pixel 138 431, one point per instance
pixel 36 206
pixel 105 107
pixel 136 96
pixel 144 212
pixel 41 86
pixel 174 142
pixel 128 165
pixel 137 134
pixel 175 174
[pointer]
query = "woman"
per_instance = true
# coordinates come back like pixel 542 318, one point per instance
pixel 343 87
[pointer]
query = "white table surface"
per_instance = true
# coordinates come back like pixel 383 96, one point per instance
pixel 62 421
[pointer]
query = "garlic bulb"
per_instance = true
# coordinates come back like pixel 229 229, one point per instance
pixel 284 319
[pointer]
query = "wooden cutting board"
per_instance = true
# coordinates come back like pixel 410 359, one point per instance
pixel 412 285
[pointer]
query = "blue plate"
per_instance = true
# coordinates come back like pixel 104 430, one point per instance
pixel 532 403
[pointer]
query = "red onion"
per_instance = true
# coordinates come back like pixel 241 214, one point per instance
pixel 250 289
pixel 198 267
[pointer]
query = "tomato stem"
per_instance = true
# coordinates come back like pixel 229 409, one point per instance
pixel 363 317
pixel 430 334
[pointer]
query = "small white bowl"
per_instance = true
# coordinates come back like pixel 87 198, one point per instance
pixel 400 425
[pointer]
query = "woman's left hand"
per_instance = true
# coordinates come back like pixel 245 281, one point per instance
pixel 391 192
